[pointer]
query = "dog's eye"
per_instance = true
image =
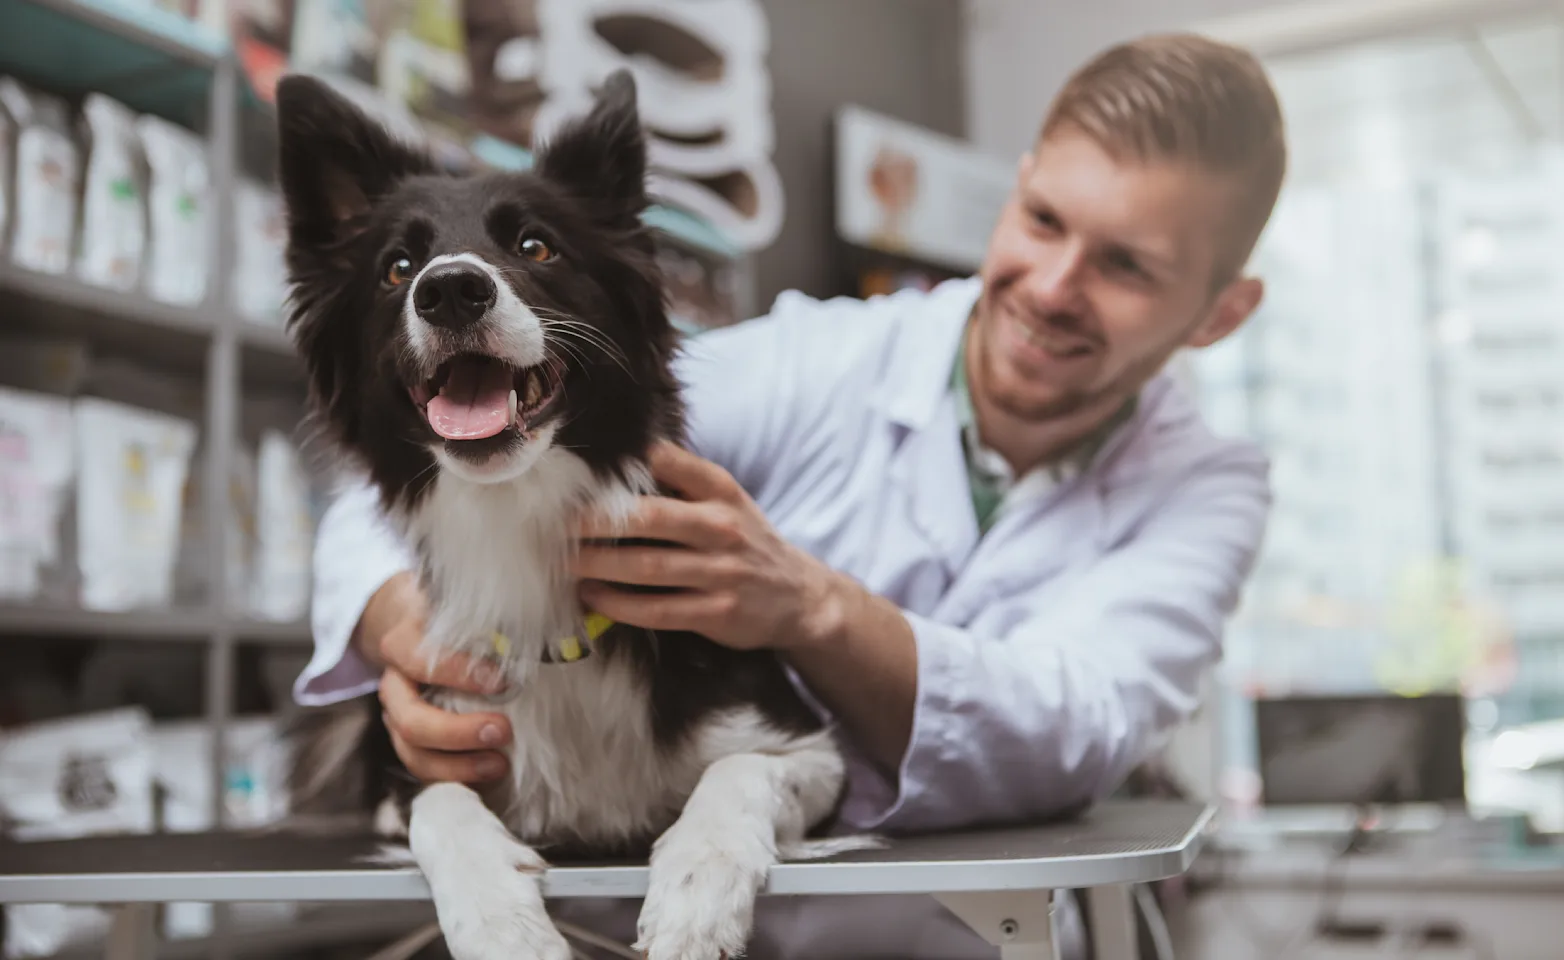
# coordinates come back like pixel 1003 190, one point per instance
pixel 535 250
pixel 399 272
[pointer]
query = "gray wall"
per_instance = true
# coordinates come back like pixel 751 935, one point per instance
pixel 902 58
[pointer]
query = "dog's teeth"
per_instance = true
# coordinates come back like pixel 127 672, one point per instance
pixel 534 388
pixel 511 405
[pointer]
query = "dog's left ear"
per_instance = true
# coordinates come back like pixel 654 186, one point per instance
pixel 334 162
pixel 602 156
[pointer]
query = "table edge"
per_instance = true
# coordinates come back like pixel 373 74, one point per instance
pixel 796 878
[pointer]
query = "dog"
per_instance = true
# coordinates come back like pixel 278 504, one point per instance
pixel 492 349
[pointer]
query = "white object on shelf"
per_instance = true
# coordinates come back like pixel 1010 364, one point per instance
pixel 81 776
pixel 47 170
pixel 112 238
pixel 260 277
pixel 133 467
pixel 36 464
pixel 255 784
pixel 284 532
pixel 178 203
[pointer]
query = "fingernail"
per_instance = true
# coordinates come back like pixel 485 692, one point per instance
pixel 490 735
pixel 490 768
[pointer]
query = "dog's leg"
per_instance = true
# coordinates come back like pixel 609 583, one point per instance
pixel 709 866
pixel 484 880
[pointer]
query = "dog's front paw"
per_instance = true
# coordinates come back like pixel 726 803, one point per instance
pixel 502 924
pixel 700 902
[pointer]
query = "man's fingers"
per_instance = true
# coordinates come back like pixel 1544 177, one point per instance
pixel 695 477
pixel 704 526
pixel 425 725
pixel 698 612
pixel 431 766
pixel 653 567
pixel 401 649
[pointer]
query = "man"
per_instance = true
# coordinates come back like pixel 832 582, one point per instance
pixel 990 536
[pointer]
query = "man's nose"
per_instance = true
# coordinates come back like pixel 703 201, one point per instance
pixel 1055 282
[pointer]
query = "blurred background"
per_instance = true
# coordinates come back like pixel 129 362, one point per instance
pixel 1386 734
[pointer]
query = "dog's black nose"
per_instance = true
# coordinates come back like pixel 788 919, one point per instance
pixel 453 295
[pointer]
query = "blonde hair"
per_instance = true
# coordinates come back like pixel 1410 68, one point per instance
pixel 1186 98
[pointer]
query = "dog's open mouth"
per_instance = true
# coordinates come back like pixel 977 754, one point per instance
pixel 474 397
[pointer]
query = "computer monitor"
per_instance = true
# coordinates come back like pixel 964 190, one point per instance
pixel 1362 750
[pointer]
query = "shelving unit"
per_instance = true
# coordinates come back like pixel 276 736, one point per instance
pixel 160 63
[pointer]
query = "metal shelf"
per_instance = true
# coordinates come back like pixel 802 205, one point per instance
pixel 58 294
pixel 196 625
pixel 18 619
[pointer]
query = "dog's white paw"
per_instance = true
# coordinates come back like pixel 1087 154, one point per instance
pixel 700 903
pixel 504 922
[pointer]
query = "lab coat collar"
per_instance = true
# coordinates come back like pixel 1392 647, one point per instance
pixel 917 376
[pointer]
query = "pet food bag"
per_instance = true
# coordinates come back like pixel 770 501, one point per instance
pixel 7 147
pixel 178 201
pixel 260 281
pixel 133 465
pixel 255 784
pixel 284 532
pixel 36 461
pixel 193 568
pixel 81 776
pixel 47 173
pixel 113 236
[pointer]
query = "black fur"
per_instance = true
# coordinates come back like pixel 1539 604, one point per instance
pixel 356 200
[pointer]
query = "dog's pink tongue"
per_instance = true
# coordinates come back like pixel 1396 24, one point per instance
pixel 475 401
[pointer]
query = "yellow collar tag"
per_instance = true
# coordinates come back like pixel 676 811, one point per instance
pixel 571 648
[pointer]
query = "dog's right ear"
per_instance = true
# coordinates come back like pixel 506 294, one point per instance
pixel 334 162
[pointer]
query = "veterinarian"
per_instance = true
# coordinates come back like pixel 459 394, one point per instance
pixel 986 529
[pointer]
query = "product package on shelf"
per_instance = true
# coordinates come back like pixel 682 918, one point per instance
pixel 261 235
pixel 45 178
pixel 88 775
pixel 133 465
pixel 284 532
pixel 36 465
pixel 254 795
pixel 193 569
pixel 7 148
pixel 177 204
pixel 112 238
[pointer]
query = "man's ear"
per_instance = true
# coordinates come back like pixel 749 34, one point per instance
pixel 1235 304
pixel 602 156
pixel 334 162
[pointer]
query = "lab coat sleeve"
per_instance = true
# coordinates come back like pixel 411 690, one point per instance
pixel 1055 712
pixel 356 551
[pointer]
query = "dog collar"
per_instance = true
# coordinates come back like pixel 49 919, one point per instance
pixel 566 649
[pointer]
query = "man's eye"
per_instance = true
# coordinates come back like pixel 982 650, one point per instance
pixel 1121 262
pixel 1046 220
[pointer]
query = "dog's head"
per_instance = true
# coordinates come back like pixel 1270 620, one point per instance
pixel 472 322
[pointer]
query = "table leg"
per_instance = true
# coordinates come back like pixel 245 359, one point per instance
pixel 1019 922
pixel 132 933
pixel 1112 913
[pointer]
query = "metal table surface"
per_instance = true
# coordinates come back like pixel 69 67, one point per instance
pixel 1110 847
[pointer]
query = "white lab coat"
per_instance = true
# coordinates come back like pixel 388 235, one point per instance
pixel 1054 654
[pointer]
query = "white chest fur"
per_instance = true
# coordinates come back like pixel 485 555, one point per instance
pixel 497 557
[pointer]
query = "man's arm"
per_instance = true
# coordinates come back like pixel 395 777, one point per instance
pixel 1052 713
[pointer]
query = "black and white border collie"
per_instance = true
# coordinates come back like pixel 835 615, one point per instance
pixel 493 351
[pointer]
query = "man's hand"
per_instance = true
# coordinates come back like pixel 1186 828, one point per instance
pixel 744 586
pixel 741 584
pixel 435 744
